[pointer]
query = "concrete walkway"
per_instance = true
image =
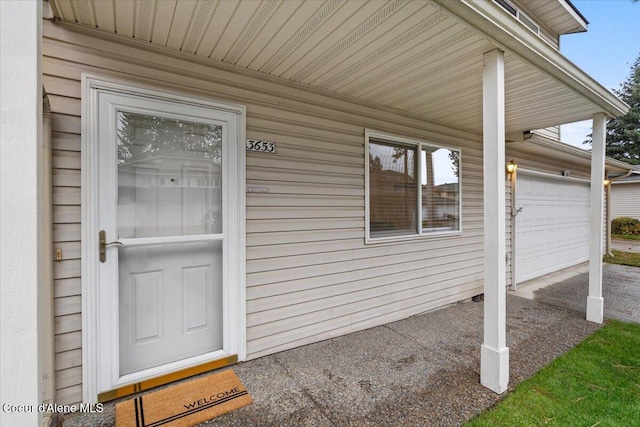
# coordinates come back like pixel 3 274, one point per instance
pixel 625 245
pixel 422 371
pixel 570 288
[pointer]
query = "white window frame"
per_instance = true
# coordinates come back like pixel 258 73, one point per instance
pixel 369 134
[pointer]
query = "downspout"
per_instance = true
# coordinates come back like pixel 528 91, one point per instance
pixel 608 213
pixel 46 254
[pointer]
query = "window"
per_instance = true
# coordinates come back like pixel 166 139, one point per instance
pixel 519 15
pixel 413 188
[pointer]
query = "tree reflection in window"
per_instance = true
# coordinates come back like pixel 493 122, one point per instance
pixel 169 176
pixel 392 189
pixel 144 136
pixel 414 188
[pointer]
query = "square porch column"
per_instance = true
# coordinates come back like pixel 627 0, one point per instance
pixel 20 133
pixel 494 354
pixel 595 302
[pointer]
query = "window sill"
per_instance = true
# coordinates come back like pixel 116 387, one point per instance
pixel 413 237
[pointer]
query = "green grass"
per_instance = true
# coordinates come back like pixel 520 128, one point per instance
pixel 625 236
pixel 595 384
pixel 624 258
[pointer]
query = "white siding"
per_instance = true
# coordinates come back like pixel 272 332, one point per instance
pixel 625 200
pixel 509 229
pixel 545 32
pixel 66 236
pixel 309 274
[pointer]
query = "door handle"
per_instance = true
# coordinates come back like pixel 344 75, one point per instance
pixel 102 237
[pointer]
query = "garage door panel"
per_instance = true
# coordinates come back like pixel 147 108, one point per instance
pixel 552 230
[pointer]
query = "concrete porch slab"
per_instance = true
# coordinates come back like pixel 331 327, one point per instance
pixel 420 371
pixel 620 290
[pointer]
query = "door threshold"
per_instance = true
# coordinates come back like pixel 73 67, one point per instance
pixel 166 379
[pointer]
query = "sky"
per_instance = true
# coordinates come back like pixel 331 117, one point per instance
pixel 605 52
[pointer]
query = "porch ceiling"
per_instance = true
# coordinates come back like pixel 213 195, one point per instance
pixel 412 56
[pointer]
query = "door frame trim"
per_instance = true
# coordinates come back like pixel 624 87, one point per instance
pixel 91 84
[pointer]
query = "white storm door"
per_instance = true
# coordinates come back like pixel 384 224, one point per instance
pixel 166 217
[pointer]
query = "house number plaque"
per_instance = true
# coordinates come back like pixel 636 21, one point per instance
pixel 261 146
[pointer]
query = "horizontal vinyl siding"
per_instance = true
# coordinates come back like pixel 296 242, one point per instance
pixel 605 226
pixel 66 236
pixel 509 221
pixel 625 200
pixel 310 275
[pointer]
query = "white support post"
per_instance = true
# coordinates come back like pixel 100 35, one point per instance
pixel 595 303
pixel 494 355
pixel 20 132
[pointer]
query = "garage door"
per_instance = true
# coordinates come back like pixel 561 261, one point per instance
pixel 552 229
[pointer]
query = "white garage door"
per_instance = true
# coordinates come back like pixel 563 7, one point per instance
pixel 552 229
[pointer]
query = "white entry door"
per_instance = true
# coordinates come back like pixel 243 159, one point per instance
pixel 166 221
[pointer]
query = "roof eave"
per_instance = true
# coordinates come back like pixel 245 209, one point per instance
pixel 555 146
pixel 573 10
pixel 497 26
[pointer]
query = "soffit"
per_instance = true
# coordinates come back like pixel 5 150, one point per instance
pixel 410 56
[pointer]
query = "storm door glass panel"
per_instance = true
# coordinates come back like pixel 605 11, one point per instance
pixel 440 189
pixel 169 177
pixel 392 189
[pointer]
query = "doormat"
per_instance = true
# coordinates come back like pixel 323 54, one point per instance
pixel 185 405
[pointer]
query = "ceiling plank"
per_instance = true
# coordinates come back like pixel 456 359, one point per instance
pixel 105 15
pixel 145 15
pixel 165 11
pixel 181 23
pixel 238 25
pixel 125 12
pixel 65 8
pixel 201 18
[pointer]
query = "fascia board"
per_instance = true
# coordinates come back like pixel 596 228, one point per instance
pixel 575 13
pixel 619 164
pixel 499 27
pixel 555 146
pixel 625 182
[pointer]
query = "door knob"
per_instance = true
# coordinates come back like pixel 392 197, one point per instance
pixel 102 237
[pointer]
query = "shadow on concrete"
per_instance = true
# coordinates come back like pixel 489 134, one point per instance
pixel 620 289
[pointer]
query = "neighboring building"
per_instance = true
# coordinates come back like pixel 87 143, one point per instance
pixel 625 196
pixel 268 223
